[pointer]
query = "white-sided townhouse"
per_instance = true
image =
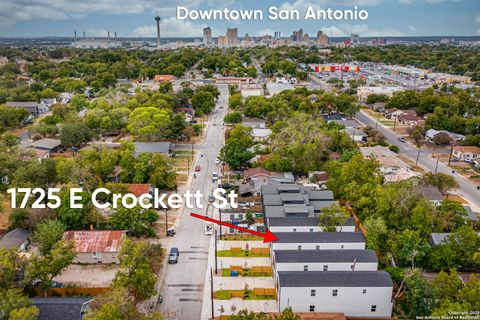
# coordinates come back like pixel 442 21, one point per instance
pixel 366 294
pixel 318 241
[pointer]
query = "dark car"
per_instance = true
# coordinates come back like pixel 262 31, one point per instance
pixel 173 256
pixel 197 169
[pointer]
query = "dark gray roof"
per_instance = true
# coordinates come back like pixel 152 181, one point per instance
pixel 280 188
pixel 281 211
pixel 300 222
pixel 153 147
pixel 21 104
pixel 319 237
pixel 438 238
pixel 46 144
pixel 318 205
pixel 14 238
pixel 60 308
pixel 334 279
pixel 431 193
pixel 471 215
pixel 294 256
pixel 320 195
pixel 293 197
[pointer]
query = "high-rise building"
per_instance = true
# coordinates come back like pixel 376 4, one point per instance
pixel 232 36
pixel 354 39
pixel 306 38
pixel 278 35
pixel 222 41
pixel 322 39
pixel 157 19
pixel 207 36
pixel 300 35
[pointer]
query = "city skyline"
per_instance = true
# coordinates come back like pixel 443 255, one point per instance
pixel 397 18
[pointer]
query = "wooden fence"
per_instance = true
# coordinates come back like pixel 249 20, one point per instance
pixel 262 269
pixel 70 292
pixel 271 292
pixel 260 250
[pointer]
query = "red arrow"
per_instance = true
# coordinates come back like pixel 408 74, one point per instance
pixel 267 236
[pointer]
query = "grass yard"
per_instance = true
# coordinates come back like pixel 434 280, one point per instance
pixel 246 273
pixel 247 295
pixel 240 254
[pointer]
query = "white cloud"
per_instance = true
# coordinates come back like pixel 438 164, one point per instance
pixel 405 2
pixel 172 27
pixel 13 11
pixel 346 29
pixel 440 1
pixel 412 28
pixel 266 31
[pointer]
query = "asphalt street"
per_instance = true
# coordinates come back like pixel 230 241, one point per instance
pixel 466 188
pixel 183 284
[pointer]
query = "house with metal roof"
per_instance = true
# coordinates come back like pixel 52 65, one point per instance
pixel 365 294
pixel 33 108
pixel 318 241
pixel 324 260
pixel 97 246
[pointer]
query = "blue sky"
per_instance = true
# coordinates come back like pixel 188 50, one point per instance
pixel 136 17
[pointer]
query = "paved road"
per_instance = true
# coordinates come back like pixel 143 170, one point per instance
pixel 467 189
pixel 183 284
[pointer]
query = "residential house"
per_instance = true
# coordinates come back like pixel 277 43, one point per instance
pixel 259 134
pixel 15 239
pixel 401 174
pixel 33 108
pixel 379 107
pixel 48 102
pixel 62 308
pixel 324 260
pixel 304 224
pixel 44 147
pixel 318 241
pixel 345 123
pixel 254 123
pixel 438 238
pixel 137 189
pixel 164 148
pixel 251 90
pixel 409 118
pixel 356 135
pixel 431 133
pixel 362 294
pixel 471 215
pixel 259 173
pixel 364 92
pixel 65 97
pixel 430 193
pixel 98 246
pixel 466 153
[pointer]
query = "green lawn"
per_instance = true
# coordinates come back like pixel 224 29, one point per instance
pixel 247 273
pixel 228 253
pixel 248 295
pixel 233 237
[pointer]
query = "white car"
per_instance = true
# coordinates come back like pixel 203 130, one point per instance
pixel 217 161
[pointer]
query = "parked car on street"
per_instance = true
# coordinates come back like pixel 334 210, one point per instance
pixel 197 169
pixel 401 139
pixel 173 256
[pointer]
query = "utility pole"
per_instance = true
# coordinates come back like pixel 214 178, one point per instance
pixel 192 151
pixel 220 218
pixel 211 293
pixel 376 123
pixel 436 166
pixel 418 154
pixel 216 258
pixel 166 222
pixel 451 153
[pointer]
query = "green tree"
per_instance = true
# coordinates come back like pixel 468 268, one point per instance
pixel 45 268
pixel 203 102
pixel 377 233
pixel 235 101
pixel 409 248
pixel 443 181
pixel 48 233
pixel 163 175
pixel 10 263
pixel 418 294
pixel 10 300
pixel 25 313
pixel 446 285
pixel 74 134
pixel 332 217
pixel 136 272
